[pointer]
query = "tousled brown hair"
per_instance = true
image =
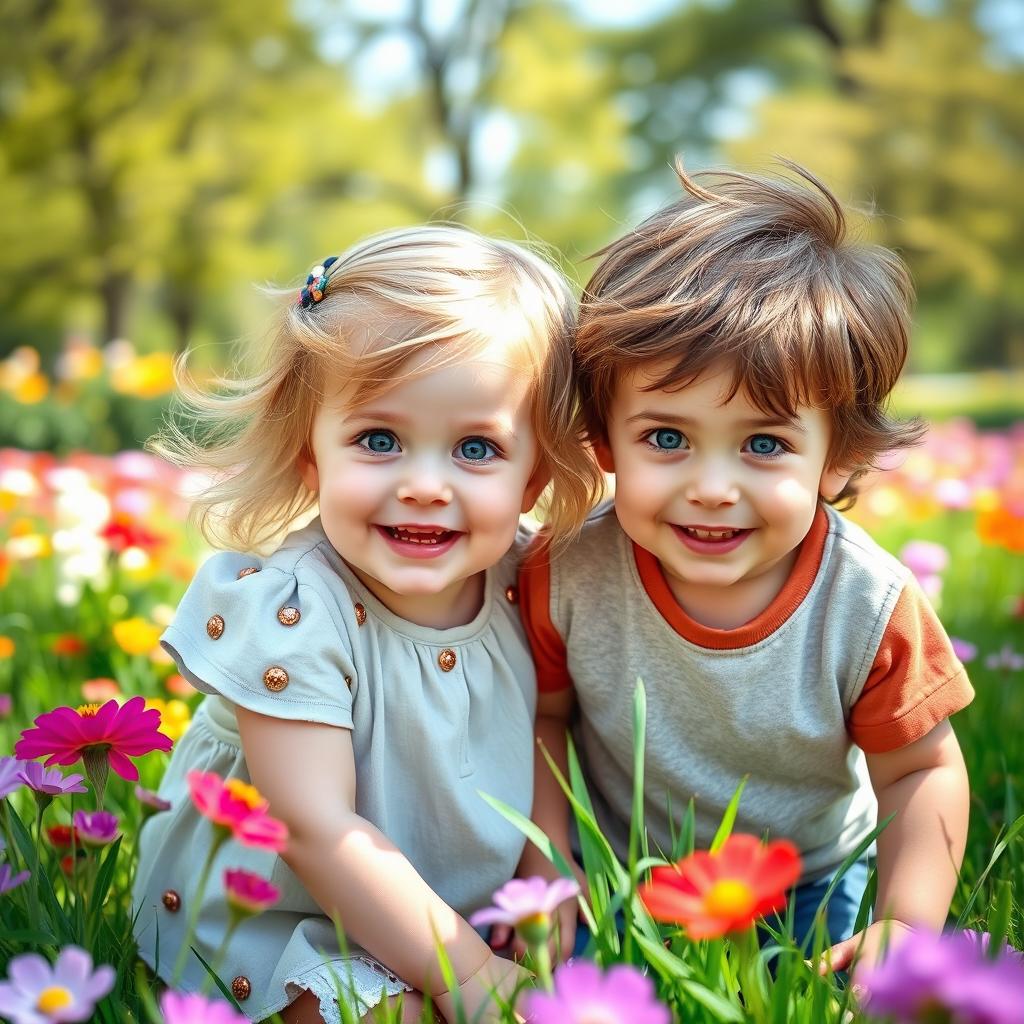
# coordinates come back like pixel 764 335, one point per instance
pixel 756 272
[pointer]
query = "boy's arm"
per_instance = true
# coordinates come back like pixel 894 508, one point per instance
pixel 920 852
pixel 350 868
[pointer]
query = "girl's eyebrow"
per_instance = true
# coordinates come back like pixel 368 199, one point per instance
pixel 398 419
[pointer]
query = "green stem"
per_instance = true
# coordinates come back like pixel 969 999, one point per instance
pixel 97 767
pixel 219 836
pixel 541 953
pixel 750 973
pixel 222 951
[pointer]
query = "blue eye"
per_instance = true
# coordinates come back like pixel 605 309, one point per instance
pixel 765 444
pixel 667 439
pixel 476 449
pixel 382 442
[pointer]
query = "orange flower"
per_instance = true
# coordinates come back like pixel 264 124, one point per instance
pixel 712 894
pixel 96 691
pixel 999 525
pixel 179 686
pixel 6 647
pixel 69 644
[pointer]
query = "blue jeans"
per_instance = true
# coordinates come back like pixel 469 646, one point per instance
pixel 840 913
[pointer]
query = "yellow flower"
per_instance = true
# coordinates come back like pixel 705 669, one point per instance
pixel 145 376
pixel 175 717
pixel 6 647
pixel 136 635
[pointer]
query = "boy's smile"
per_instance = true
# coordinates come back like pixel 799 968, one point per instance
pixel 721 493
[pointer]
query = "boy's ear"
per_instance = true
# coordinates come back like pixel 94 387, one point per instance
pixel 603 451
pixel 539 479
pixel 833 480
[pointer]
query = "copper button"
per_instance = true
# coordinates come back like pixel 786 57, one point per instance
pixel 171 900
pixel 241 987
pixel 215 627
pixel 348 682
pixel 288 616
pixel 360 614
pixel 248 570
pixel 275 678
pixel 446 659
pixel 511 595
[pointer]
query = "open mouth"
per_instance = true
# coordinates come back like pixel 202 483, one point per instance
pixel 427 536
pixel 711 535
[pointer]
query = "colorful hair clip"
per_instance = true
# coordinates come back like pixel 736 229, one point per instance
pixel 316 283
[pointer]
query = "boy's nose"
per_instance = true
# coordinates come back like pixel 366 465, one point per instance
pixel 712 486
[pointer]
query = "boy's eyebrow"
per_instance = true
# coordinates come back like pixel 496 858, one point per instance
pixel 754 423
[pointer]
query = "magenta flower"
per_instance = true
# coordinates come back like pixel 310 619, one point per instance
pixel 238 809
pixel 6 704
pixel 583 994
pixel 1005 660
pixel 964 649
pixel 37 993
pixel 65 735
pixel 247 893
pixel 526 900
pixel 50 781
pixel 939 976
pixel 10 775
pixel 95 828
pixel 192 1008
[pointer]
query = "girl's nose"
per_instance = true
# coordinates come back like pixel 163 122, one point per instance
pixel 424 484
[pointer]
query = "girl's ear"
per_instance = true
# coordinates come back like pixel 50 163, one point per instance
pixel 833 481
pixel 539 479
pixel 603 452
pixel 308 471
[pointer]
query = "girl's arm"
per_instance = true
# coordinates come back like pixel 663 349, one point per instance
pixel 307 773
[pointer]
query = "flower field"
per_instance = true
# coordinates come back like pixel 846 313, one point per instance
pixel 94 554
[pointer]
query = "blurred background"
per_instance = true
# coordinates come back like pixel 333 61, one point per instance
pixel 161 159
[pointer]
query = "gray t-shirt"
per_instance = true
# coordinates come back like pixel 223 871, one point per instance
pixel 437 717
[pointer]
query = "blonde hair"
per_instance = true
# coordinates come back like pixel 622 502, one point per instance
pixel 757 272
pixel 438 289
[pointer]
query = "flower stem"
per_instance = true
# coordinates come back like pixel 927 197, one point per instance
pixel 219 836
pixel 748 955
pixel 222 950
pixel 97 768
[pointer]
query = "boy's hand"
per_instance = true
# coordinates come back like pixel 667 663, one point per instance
pixel 865 948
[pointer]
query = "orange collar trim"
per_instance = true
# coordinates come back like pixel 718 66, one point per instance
pixel 761 626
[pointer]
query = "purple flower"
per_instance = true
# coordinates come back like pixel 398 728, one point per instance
pixel 151 802
pixel 929 973
pixel 982 940
pixel 1005 660
pixel 963 649
pixel 190 1008
pixel 525 899
pixel 37 993
pixel 9 880
pixel 51 781
pixel 95 828
pixel 6 704
pixel 923 558
pixel 584 994
pixel 10 767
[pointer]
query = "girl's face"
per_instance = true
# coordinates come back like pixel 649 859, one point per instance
pixel 421 487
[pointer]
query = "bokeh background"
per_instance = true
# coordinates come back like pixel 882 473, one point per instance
pixel 160 159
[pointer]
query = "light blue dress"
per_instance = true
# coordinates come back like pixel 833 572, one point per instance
pixel 437 717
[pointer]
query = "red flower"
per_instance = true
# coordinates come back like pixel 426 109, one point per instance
pixel 712 894
pixel 66 735
pixel 121 533
pixel 68 644
pixel 62 837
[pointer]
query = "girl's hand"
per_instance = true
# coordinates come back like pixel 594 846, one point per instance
pixel 496 978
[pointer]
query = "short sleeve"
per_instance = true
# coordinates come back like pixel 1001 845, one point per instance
pixel 264 640
pixel 546 644
pixel 915 681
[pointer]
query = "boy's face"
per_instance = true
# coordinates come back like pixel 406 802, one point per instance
pixel 717 491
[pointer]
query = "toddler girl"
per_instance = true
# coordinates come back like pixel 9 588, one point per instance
pixel 370 677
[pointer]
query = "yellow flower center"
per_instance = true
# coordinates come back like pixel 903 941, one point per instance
pixel 730 898
pixel 248 795
pixel 88 710
pixel 53 998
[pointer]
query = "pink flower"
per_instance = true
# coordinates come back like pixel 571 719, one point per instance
pixel 151 802
pixel 583 995
pixel 6 704
pixel 248 893
pixel 526 900
pixel 237 807
pixel 95 828
pixel 1005 660
pixel 964 649
pixel 37 993
pixel 192 1008
pixel 66 735
pixel 924 558
pixel 50 781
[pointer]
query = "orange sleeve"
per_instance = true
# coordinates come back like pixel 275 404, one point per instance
pixel 915 682
pixel 546 643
